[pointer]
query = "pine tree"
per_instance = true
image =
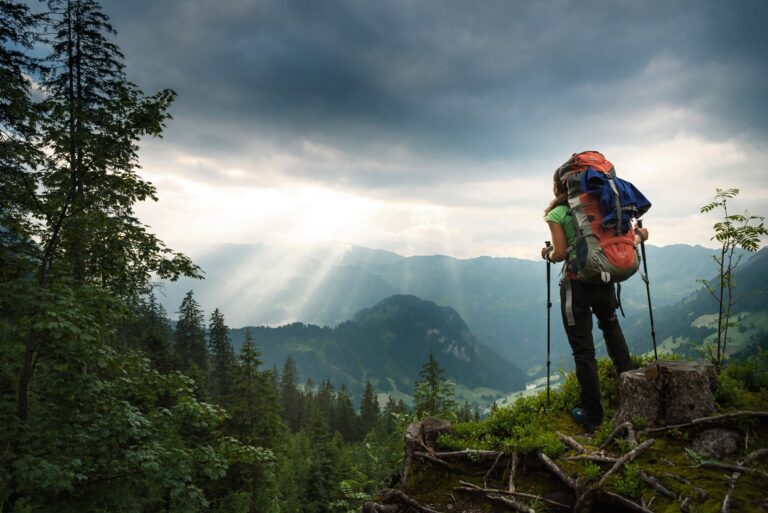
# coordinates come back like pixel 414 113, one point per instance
pixel 151 333
pixel 322 476
pixel 369 410
pixel 222 358
pixel 465 412
pixel 18 137
pixel 391 409
pixel 324 401
pixel 344 416
pixel 290 399
pixel 190 337
pixel 255 419
pixel 94 118
pixel 433 394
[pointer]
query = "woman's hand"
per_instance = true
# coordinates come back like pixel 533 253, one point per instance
pixel 641 235
pixel 545 251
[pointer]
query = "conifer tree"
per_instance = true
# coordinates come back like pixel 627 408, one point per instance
pixel 222 358
pixel 190 337
pixel 390 410
pixel 433 394
pixel 325 400
pixel 322 476
pixel 18 137
pixel 152 333
pixel 369 410
pixel 290 399
pixel 465 412
pixel 94 118
pixel 255 419
pixel 344 416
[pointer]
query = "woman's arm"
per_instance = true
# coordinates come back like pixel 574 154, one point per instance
pixel 559 250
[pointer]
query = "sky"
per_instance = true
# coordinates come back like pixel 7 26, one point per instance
pixel 434 127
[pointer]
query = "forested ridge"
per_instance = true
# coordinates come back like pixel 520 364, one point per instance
pixel 103 406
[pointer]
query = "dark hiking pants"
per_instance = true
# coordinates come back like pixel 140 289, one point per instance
pixel 584 300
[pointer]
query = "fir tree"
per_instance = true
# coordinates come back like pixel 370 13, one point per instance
pixel 433 394
pixel 151 333
pixel 344 416
pixel 255 418
pixel 190 337
pixel 465 412
pixel 94 118
pixel 369 410
pixel 322 475
pixel 290 399
pixel 222 358
pixel 18 137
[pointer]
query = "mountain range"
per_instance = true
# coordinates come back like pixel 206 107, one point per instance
pixel 502 300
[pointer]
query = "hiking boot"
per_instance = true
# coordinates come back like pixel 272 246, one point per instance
pixel 580 417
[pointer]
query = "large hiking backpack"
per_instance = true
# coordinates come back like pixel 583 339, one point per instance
pixel 602 207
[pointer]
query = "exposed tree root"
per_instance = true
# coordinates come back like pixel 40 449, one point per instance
pixel 404 499
pixel 570 442
pixel 433 459
pixel 700 492
pixel 628 503
pixel 709 420
pixel 467 452
pixel 513 461
pixel 493 493
pixel 585 494
pixel 493 467
pixel 560 473
pixel 733 468
pixel 656 485
pixel 631 455
pixel 726 506
pixel 599 458
pixel 624 426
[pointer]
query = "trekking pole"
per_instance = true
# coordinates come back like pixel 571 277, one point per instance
pixel 549 307
pixel 648 290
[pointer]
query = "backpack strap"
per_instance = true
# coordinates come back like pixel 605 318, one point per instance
pixel 617 202
pixel 618 299
pixel 568 305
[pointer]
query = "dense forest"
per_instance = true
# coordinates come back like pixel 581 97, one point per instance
pixel 104 406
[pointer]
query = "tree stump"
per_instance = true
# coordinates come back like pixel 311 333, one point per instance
pixel 671 392
pixel 422 436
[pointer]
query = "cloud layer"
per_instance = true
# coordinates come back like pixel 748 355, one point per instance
pixel 460 107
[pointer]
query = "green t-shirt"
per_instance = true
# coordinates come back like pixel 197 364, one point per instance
pixel 559 215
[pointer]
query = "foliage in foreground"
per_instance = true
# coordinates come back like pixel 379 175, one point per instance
pixel 528 425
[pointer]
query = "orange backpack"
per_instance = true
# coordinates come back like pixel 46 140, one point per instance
pixel 605 252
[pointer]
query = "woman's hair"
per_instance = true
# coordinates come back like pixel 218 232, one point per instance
pixel 561 196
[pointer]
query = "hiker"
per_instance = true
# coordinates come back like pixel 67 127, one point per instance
pixel 583 297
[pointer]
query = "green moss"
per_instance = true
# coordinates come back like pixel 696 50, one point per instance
pixel 529 425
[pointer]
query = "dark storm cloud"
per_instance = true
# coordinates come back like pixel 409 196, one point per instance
pixel 461 81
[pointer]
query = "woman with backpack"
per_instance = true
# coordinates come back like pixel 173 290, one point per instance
pixel 581 298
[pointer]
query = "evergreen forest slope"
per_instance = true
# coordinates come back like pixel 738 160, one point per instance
pixel 387 344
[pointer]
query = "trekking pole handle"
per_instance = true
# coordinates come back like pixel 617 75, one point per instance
pixel 548 244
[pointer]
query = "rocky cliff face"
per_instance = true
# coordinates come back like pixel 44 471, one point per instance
pixel 698 463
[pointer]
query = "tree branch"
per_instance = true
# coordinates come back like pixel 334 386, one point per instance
pixel 707 420
pixel 560 473
pixel 570 442
pixel 631 455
